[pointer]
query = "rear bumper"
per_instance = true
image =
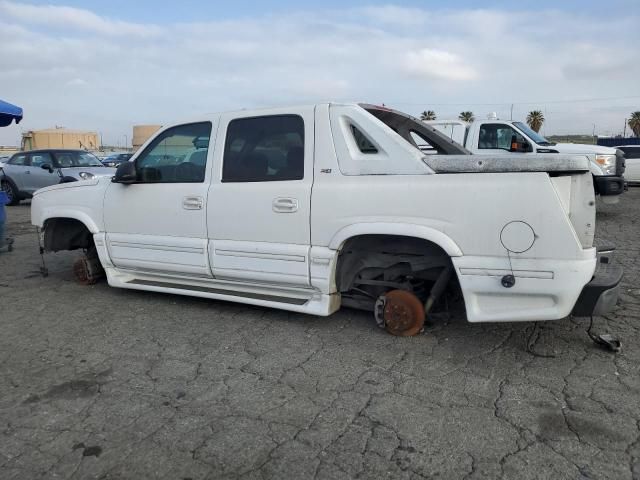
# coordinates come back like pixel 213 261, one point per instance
pixel 545 289
pixel 608 185
pixel 600 295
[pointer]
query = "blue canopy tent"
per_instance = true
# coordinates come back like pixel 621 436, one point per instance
pixel 9 113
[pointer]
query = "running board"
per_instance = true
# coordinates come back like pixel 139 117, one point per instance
pixel 220 291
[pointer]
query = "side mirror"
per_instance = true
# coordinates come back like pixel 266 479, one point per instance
pixel 47 166
pixel 125 173
pixel 515 146
pixel 520 147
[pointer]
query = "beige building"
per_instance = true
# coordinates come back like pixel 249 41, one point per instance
pixel 60 138
pixel 141 134
pixel 7 151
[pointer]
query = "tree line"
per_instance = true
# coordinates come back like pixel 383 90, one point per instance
pixel 535 119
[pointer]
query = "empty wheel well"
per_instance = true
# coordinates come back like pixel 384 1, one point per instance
pixel 66 234
pixel 370 265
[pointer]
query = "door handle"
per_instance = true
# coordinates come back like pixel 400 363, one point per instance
pixel 285 205
pixel 192 203
pixel 27 172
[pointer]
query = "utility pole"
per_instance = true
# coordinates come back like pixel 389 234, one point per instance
pixel 624 132
pixel 593 134
pixel 511 115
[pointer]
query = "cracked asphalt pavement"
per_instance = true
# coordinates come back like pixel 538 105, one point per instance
pixel 105 383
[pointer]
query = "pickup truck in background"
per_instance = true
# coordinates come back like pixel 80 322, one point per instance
pixel 316 207
pixel 632 162
pixel 495 137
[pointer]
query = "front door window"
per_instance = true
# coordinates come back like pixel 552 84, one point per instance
pixel 498 136
pixel 178 155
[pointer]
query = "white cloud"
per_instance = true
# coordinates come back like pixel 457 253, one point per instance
pixel 76 82
pixel 72 67
pixel 437 64
pixel 394 15
pixel 72 18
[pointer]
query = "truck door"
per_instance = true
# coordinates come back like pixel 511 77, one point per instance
pixel 499 138
pixel 258 211
pixel 158 224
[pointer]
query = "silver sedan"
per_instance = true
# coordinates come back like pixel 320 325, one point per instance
pixel 26 172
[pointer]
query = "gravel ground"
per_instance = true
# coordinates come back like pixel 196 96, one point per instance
pixel 97 382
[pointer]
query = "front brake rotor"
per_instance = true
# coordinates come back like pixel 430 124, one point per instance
pixel 403 313
pixel 83 273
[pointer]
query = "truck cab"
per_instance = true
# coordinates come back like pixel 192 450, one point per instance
pixel 495 137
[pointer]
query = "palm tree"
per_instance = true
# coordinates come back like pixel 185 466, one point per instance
pixel 634 123
pixel 466 116
pixel 428 115
pixel 535 119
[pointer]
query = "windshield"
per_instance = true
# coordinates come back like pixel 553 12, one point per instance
pixel 533 135
pixel 77 159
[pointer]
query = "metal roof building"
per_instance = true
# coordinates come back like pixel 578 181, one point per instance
pixel 60 138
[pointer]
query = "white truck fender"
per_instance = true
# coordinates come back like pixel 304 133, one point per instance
pixel 401 229
pixel 81 216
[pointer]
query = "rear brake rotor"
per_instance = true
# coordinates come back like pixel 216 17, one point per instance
pixel 403 313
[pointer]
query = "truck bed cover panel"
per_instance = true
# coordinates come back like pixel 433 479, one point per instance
pixel 506 163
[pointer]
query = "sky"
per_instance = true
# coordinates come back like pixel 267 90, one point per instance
pixel 108 65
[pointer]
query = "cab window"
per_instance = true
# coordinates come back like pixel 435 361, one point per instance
pixel 497 136
pixel 264 149
pixel 177 155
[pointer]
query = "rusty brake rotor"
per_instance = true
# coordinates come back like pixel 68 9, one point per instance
pixel 403 313
pixel 82 272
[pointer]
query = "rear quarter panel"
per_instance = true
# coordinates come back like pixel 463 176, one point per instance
pixel 470 209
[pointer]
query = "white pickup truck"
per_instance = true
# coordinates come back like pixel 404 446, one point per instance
pixel 312 208
pixel 494 137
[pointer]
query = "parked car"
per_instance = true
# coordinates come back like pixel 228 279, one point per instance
pixel 26 172
pixel 312 208
pixel 116 159
pixel 632 159
pixel 494 136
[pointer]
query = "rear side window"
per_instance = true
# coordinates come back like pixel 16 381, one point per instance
pixel 362 141
pixel 264 149
pixel 631 152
